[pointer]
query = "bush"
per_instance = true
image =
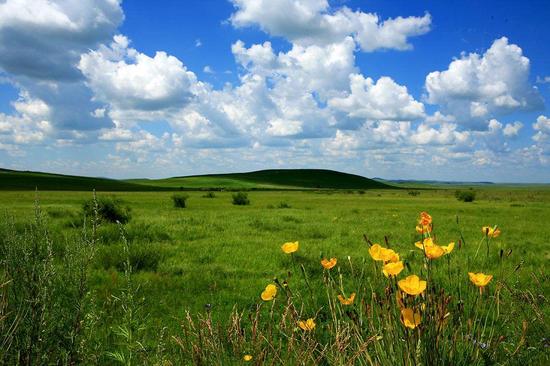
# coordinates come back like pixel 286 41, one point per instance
pixel 180 200
pixel 413 193
pixel 240 199
pixel 110 209
pixel 209 195
pixel 284 205
pixel 465 196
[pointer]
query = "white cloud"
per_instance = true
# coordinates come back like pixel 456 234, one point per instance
pixel 447 134
pixel 439 117
pixel 314 22
pixel 384 99
pixel 475 86
pixel 43 39
pixel 281 127
pixel 40 44
pixel 127 79
pixel 542 126
pixel 512 129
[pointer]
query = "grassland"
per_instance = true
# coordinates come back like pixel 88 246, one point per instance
pixel 218 255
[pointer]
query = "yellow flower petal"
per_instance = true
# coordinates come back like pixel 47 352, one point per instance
pixel 409 318
pixel 328 263
pixel 448 248
pixel 412 285
pixel 307 325
pixel 491 232
pixel 434 251
pixel 247 358
pixel 392 268
pixel 346 301
pixel 379 253
pixel 480 279
pixel 290 247
pixel 269 293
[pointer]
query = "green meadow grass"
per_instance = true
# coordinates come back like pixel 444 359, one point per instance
pixel 221 256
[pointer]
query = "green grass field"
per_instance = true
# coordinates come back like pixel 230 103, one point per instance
pixel 216 253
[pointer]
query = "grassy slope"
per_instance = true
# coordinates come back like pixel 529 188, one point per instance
pixel 25 180
pixel 275 178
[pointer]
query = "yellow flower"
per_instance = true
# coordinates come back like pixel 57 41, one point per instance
pixel 247 358
pixel 480 279
pixel 328 263
pixel 392 268
pixel 290 247
pixel 491 232
pixel 412 285
pixel 307 325
pixel 425 219
pixel 347 301
pixel 269 293
pixel 409 318
pixel 432 250
pixel 379 253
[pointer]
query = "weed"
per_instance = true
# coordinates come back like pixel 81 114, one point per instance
pixel 179 200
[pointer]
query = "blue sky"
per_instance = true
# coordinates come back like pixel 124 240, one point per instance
pixel 453 90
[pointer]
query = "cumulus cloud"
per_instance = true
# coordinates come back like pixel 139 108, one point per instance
pixel 512 129
pixel 475 87
pixel 383 99
pixel 447 134
pixel 315 22
pixel 542 126
pixel 128 79
pixel 40 45
pixel 43 39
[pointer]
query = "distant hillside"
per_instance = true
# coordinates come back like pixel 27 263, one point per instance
pixel 26 180
pixel 259 180
pixel 271 179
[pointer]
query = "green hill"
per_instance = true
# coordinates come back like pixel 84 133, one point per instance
pixel 271 179
pixel 259 180
pixel 14 180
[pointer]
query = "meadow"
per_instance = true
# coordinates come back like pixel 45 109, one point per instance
pixel 213 258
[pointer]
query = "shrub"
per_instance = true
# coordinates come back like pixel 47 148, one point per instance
pixel 209 195
pixel 110 209
pixel 180 200
pixel 240 199
pixel 413 193
pixel 465 196
pixel 284 205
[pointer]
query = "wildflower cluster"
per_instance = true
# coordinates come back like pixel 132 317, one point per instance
pixel 417 303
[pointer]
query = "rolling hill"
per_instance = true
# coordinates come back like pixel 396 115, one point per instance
pixel 271 179
pixel 14 180
pixel 297 179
